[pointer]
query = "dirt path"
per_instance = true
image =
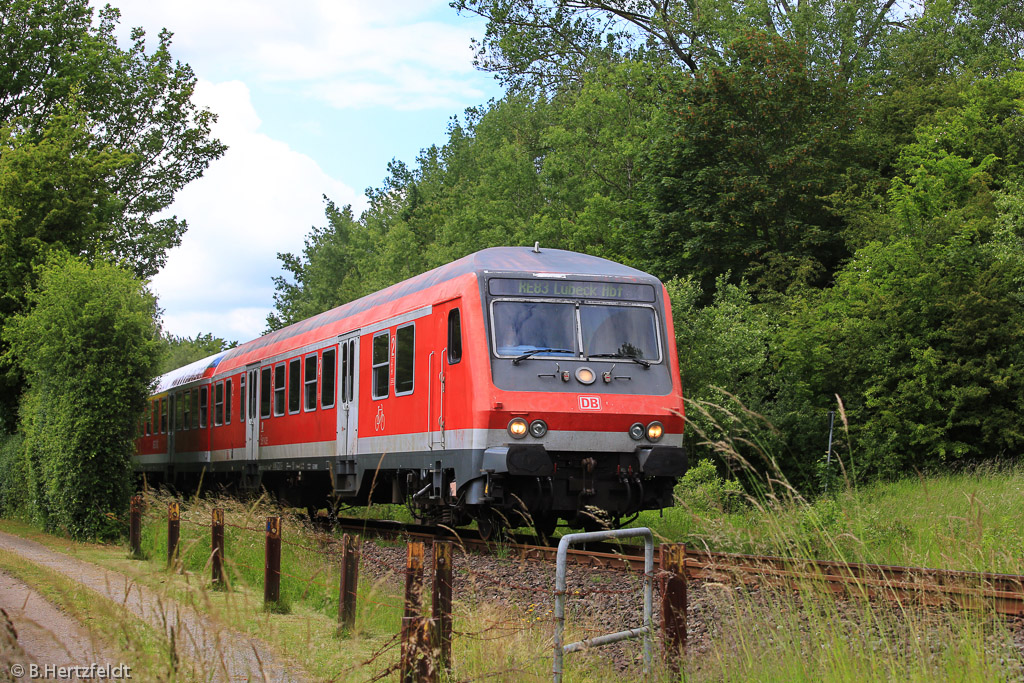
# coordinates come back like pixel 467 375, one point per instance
pixel 216 651
pixel 45 635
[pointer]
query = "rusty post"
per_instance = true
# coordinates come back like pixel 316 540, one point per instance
pixel 442 602
pixel 272 562
pixel 349 581
pixel 673 603
pixel 173 531
pixel 413 579
pixel 217 539
pixel 135 527
pixel 416 665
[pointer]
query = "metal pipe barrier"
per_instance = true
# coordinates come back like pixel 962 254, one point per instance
pixel 560 570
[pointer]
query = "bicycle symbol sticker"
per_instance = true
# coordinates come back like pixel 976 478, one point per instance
pixel 379 422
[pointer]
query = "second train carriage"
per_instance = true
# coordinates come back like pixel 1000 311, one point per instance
pixel 513 386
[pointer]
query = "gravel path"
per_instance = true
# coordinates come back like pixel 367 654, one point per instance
pixel 217 652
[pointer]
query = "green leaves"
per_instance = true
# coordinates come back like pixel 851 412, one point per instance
pixel 88 347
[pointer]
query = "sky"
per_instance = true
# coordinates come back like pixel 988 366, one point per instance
pixel 314 98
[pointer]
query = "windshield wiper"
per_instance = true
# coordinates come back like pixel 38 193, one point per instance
pixel 639 361
pixel 515 361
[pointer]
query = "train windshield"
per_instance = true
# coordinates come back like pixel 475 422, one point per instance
pixel 619 332
pixel 548 328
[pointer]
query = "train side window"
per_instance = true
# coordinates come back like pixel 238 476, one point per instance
pixel 454 336
pixel 381 364
pixel 327 386
pixel 241 397
pixel 265 392
pixel 163 416
pixel 186 411
pixel 294 377
pixel 195 409
pixel 218 404
pixel 204 406
pixel 179 412
pixel 405 347
pixel 345 362
pixel 279 389
pixel 227 402
pixel 145 420
pixel 310 385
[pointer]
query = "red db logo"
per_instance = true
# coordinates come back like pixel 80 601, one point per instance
pixel 590 403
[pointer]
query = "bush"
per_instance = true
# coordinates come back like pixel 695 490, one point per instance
pixel 702 490
pixel 88 346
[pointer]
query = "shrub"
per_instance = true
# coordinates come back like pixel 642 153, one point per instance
pixel 702 490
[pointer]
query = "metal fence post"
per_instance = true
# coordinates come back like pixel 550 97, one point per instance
pixel 413 579
pixel 173 531
pixel 272 562
pixel 644 631
pixel 415 663
pixel 135 527
pixel 672 558
pixel 442 601
pixel 349 581
pixel 217 544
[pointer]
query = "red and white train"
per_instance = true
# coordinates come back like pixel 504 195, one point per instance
pixel 514 386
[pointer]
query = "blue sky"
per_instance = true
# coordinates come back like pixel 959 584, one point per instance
pixel 315 97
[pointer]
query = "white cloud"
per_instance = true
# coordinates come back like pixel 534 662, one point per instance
pixel 312 43
pixel 261 198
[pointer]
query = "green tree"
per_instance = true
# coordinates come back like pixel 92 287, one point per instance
pixel 88 346
pixel 95 141
pixel 552 42
pixel 745 158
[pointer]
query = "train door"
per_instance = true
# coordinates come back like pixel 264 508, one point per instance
pixel 446 381
pixel 252 413
pixel 348 393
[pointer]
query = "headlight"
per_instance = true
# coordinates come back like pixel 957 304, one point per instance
pixel 585 376
pixel 636 432
pixel 538 428
pixel 517 428
pixel 655 430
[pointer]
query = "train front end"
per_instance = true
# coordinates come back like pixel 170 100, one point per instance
pixel 585 412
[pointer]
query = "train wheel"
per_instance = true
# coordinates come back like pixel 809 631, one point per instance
pixel 490 527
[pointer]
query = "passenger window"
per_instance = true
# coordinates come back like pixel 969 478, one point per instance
pixel 311 372
pixel 279 389
pixel 265 392
pixel 186 412
pixel 327 386
pixel 381 365
pixel 163 416
pixel 241 397
pixel 195 409
pixel 454 336
pixel 179 412
pixel 227 402
pixel 218 404
pixel 204 406
pixel 294 375
pixel 405 346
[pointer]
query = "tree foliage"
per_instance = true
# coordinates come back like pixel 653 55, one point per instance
pixel 88 346
pixel 95 141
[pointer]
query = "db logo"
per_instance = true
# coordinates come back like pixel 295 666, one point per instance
pixel 590 403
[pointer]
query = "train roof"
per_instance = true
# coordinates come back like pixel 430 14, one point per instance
pixel 188 373
pixel 523 260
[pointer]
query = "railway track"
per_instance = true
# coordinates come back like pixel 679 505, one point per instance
pixel 1001 593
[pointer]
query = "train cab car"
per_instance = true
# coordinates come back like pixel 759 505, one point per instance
pixel 513 387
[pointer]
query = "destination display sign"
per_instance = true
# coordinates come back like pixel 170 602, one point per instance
pixel 575 289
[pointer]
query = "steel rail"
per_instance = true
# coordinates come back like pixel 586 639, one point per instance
pixel 1001 593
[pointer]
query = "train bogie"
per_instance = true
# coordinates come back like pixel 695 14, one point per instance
pixel 513 386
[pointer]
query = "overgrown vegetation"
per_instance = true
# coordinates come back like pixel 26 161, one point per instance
pixel 88 348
